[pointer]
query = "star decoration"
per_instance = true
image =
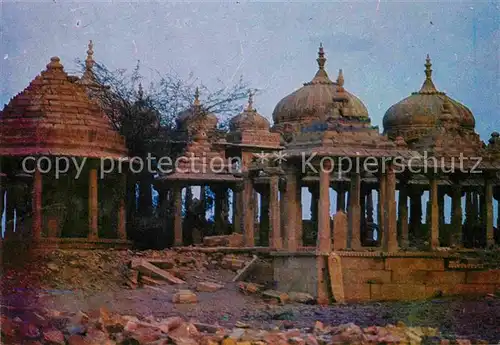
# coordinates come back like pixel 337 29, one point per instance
pixel 262 157
pixel 279 157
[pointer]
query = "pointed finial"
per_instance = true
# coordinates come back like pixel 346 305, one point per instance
pixel 321 57
pixel 428 86
pixel 55 64
pixel 340 78
pixel 250 100
pixel 89 61
pixel 428 65
pixel 196 97
pixel 141 91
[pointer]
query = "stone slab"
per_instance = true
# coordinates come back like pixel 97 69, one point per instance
pixel 424 264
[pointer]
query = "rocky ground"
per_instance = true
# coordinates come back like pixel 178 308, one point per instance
pixel 95 297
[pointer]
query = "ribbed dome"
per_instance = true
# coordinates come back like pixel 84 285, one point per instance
pixel 424 110
pixel 54 116
pixel 249 119
pixel 318 100
pixel 196 118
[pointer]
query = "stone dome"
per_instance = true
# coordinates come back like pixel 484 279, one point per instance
pixel 54 116
pixel 195 118
pixel 425 110
pixel 318 100
pixel 249 119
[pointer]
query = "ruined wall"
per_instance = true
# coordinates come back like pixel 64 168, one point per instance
pixel 296 273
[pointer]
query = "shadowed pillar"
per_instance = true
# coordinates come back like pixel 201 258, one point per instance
pixel 93 205
pixel 37 205
pixel 291 207
pixel 456 216
pixel 264 217
pixel 381 207
pixel 237 209
pixel 488 195
pixel 354 213
pixel 415 213
pixel 177 196
pixel 122 212
pixel 434 213
pixel 341 197
pixel 299 230
pixel 403 216
pixel 314 190
pixel 249 214
pixel 275 242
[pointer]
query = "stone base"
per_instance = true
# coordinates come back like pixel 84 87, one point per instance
pixel 381 276
pixel 51 243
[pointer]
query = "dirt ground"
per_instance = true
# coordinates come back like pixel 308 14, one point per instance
pixel 470 318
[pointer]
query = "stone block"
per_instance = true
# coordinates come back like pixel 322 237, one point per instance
pixel 366 276
pixel 461 289
pixel 408 276
pixel 424 264
pixel 444 278
pixel 402 292
pixel 484 277
pixel 357 292
pixel 362 263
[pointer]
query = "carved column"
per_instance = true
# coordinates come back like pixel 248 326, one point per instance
pixel 37 205
pixel 93 205
pixel 122 210
pixel 314 190
pixel 249 214
pixel 264 217
pixel 177 198
pixel 219 212
pixel 368 237
pixel 434 213
pixel 456 216
pixel 441 195
pixel 283 210
pixel 403 215
pixel 237 209
pixel 291 209
pixel 488 195
pixel 324 230
pixel 299 227
pixel 275 241
pixel 341 197
pixel 391 233
pixel 415 212
pixel 381 206
pixel 354 216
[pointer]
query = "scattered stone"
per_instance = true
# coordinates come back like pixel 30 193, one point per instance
pixel 54 337
pixel 184 297
pixel 208 287
pixel 301 297
pixel 281 297
pixel 150 281
pixel 249 288
pixel 147 268
pixel 233 240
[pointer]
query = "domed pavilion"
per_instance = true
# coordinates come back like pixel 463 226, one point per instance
pixel 52 121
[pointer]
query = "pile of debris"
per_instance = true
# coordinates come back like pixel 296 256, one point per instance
pixel 105 328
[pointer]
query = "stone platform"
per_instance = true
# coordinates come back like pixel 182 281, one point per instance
pixel 51 243
pixel 382 276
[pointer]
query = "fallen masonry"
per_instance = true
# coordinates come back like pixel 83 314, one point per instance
pixel 105 327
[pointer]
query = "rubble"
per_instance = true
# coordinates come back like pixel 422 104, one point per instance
pixel 184 297
pixel 233 240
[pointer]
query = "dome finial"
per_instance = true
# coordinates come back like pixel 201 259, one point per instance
pixel 141 91
pixel 428 85
pixel 340 78
pixel 321 57
pixel 89 61
pixel 196 97
pixel 250 100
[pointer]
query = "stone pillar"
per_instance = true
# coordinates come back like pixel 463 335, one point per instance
pixel 340 231
pixel 341 197
pixel 488 195
pixel 237 210
pixel 122 210
pixel 381 206
pixel 299 230
pixel 218 212
pixel 314 207
pixel 249 214
pixel 434 213
pixel 415 212
pixel 456 217
pixel 391 233
pixel 177 198
pixel 291 209
pixel 275 241
pixel 353 215
pixel 283 219
pixel 37 205
pixel 441 195
pixel 93 205
pixel 362 207
pixel 264 217
pixel 403 215
pixel 324 231
pixel 2 195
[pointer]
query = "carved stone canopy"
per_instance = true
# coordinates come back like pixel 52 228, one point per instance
pixel 196 120
pixel 426 110
pixel 54 116
pixel 249 119
pixel 317 100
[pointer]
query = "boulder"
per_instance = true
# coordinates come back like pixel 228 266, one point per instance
pixel 208 287
pixel 184 297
